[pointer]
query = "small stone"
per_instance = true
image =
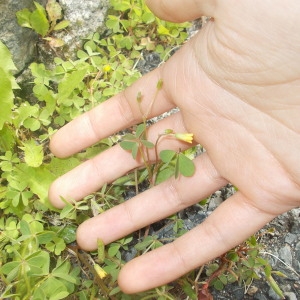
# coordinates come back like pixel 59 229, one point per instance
pixel 290 296
pixel 290 238
pixel 285 254
pixel 252 290
pixel 215 201
pixel 260 297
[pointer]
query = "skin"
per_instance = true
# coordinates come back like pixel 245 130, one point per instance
pixel 237 86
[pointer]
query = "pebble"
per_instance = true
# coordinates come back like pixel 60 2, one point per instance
pixel 285 254
pixel 290 296
pixel 297 251
pixel 290 238
pixel 215 201
pixel 260 297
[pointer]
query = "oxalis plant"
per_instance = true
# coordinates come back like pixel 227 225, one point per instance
pixel 139 145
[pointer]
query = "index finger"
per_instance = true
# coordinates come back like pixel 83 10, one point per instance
pixel 115 114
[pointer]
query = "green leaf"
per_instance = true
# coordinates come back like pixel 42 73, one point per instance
pixel 147 144
pixel 122 5
pixel 39 21
pixel 24 228
pixel 162 30
pixel 68 234
pixel 164 174
pixel 62 271
pixel 6 98
pixel 113 23
pixel 39 263
pixel 223 279
pixel 134 150
pixel 127 145
pixel 7 139
pixel 11 269
pixel 37 179
pixel 148 17
pixel 268 270
pixel 186 166
pixel 218 285
pixel 167 155
pixel 252 241
pixel 52 289
pixel 33 153
pixel 62 25
pixel 113 249
pixel 68 211
pixel 249 262
pixel 233 256
pixel 141 246
pixel 45 237
pixel 23 17
pixel 140 130
pixel 32 124
pixel 275 287
pixel 70 82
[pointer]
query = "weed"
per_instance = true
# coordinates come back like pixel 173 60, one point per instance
pixel 44 21
pixel 242 264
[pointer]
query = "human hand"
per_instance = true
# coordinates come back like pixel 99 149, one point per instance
pixel 237 86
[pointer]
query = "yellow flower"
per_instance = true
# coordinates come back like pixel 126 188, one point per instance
pixel 186 137
pixel 100 272
pixel 107 68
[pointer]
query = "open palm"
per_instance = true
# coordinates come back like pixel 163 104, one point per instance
pixel 237 86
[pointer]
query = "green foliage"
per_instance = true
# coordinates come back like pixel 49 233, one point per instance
pixel 135 28
pixel 183 164
pixel 242 264
pixel 44 21
pixel 7 84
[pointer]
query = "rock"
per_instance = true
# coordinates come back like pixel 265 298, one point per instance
pixel 297 257
pixel 297 251
pixel 215 200
pixel 20 41
pixel 260 297
pixel 86 17
pixel 285 254
pixel 290 296
pixel 238 293
pixel 290 238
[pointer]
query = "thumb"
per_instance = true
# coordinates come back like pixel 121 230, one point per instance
pixel 181 10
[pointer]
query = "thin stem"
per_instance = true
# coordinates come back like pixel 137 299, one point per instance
pixel 145 161
pixel 158 87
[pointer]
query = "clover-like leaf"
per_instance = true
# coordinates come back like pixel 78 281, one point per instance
pixel 186 166
pixel 167 155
